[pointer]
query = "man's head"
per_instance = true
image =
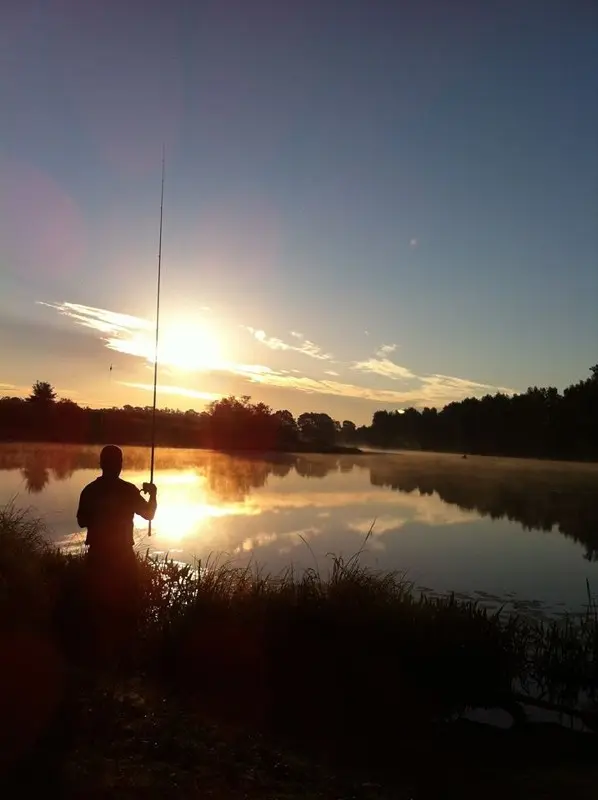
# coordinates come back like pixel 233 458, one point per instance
pixel 111 460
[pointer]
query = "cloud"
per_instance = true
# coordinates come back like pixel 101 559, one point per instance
pixel 133 336
pixel 270 341
pixel 461 387
pixel 306 347
pixel 100 319
pixel 24 391
pixel 180 391
pixel 434 390
pixel 122 333
pixel 348 390
pixel 385 367
pixel 250 369
pixel 413 243
pixel 382 365
pixel 331 372
pixel 13 390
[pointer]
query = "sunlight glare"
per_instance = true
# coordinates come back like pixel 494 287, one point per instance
pixel 184 507
pixel 190 346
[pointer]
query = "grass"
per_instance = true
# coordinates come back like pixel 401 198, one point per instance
pixel 347 668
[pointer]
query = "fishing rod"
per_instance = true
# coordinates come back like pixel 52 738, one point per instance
pixel 153 452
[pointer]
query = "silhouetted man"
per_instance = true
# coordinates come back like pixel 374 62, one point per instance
pixel 112 583
pixel 107 507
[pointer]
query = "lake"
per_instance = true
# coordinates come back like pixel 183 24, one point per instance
pixel 504 531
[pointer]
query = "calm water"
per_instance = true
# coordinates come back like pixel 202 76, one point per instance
pixel 497 529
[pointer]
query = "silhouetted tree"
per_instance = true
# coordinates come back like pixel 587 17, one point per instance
pixel 42 392
pixel 288 433
pixel 539 422
pixel 348 430
pixel 318 428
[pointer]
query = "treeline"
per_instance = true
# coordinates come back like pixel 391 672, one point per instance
pixel 227 424
pixel 540 423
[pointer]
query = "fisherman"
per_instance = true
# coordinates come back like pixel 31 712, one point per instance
pixel 106 508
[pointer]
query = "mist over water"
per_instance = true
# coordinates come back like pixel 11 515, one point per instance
pixel 522 533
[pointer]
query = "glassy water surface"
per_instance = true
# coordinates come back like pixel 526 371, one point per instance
pixel 501 530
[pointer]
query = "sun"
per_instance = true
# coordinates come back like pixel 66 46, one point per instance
pixel 189 346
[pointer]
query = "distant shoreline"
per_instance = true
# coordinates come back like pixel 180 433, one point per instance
pixel 309 449
pixel 301 449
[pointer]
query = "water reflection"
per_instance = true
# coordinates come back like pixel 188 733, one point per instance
pixel 196 486
pixel 36 477
pixel 486 527
pixel 535 495
pixel 188 501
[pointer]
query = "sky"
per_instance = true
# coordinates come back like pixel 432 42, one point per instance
pixel 368 203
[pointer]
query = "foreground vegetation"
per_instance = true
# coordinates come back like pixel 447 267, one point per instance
pixel 350 667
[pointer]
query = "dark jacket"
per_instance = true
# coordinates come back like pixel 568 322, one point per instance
pixel 106 508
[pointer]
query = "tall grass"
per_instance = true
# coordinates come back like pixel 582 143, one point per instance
pixel 23 554
pixel 350 658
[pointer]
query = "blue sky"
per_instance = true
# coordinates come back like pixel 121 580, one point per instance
pixel 412 187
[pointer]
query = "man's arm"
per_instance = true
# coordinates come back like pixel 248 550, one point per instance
pixel 146 508
pixel 83 512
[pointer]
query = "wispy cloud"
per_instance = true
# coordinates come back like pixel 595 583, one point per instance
pixel 307 347
pixel 385 367
pixel 380 364
pixel 24 391
pixel 134 336
pixel 314 386
pixel 190 349
pixel 179 391
pixel 432 390
pixel 462 386
pixel 123 333
pixel 270 341
pixel 425 390
pixel 100 319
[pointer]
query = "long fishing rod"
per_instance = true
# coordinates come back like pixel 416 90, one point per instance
pixel 152 459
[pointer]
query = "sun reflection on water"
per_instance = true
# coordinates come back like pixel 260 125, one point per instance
pixel 186 506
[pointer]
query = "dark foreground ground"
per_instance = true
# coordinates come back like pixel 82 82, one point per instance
pixel 129 742
pixel 230 684
pixel 127 738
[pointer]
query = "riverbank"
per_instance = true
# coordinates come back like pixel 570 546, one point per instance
pixel 353 669
pixel 298 448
